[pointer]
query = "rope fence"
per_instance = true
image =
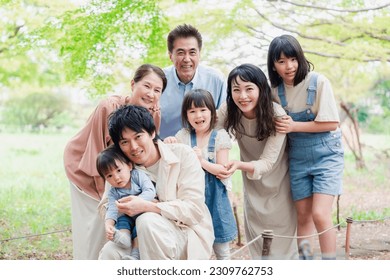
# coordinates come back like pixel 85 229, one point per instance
pixel 267 236
pixel 34 235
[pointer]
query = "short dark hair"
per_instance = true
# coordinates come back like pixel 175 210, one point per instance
pixel 105 161
pixel 264 107
pixel 290 47
pixel 183 31
pixel 133 117
pixel 146 69
pixel 200 98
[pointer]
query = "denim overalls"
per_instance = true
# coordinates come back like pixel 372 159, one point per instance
pixel 217 200
pixel 316 160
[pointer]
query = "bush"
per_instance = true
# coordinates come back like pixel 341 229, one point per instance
pixel 378 125
pixel 36 111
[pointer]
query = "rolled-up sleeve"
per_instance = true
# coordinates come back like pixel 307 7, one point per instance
pixel 270 155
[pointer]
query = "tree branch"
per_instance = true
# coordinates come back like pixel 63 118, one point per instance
pixel 16 31
pixel 296 32
pixel 324 8
pixel 342 57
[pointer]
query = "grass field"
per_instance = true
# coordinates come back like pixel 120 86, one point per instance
pixel 34 196
pixel 35 200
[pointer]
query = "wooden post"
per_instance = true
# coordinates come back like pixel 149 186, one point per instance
pixel 347 237
pixel 238 224
pixel 267 240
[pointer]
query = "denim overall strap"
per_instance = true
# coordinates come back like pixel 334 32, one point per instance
pixel 211 146
pixel 217 201
pixel 282 95
pixel 312 89
pixel 193 138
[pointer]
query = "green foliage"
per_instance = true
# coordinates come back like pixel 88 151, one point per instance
pixel 95 39
pixel 375 116
pixel 377 124
pixel 36 111
pixel 48 43
pixel 25 59
pixel 382 92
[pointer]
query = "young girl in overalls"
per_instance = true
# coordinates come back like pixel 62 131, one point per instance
pixel 316 155
pixel 212 148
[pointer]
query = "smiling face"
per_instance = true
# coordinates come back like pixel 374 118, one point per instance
pixel 119 177
pixel 246 96
pixel 185 56
pixel 287 68
pixel 147 91
pixel 199 118
pixel 139 147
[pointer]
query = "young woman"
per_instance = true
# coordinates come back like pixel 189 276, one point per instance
pixel 212 147
pixel 316 155
pixel 249 115
pixel 86 185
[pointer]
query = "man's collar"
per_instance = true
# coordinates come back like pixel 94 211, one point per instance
pixel 193 81
pixel 166 153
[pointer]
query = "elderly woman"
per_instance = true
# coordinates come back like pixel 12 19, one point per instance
pixel 86 186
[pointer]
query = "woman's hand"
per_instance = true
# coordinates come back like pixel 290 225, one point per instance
pixel 154 109
pixel 284 124
pixel 230 168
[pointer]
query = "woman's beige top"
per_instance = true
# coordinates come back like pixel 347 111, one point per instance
pixel 267 196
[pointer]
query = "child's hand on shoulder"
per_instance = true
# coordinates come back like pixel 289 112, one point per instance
pixel 170 140
pixel 198 152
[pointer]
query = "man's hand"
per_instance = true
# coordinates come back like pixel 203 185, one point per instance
pixel 131 205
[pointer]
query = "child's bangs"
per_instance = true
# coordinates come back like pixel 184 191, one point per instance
pixel 286 48
pixel 198 101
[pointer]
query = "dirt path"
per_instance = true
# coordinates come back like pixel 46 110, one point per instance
pixel 366 203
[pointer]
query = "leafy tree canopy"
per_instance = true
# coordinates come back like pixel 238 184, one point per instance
pixel 347 40
pixel 90 43
pixel 46 42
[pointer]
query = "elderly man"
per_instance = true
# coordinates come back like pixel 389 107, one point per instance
pixel 184 46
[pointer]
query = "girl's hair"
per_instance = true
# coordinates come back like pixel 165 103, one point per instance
pixel 146 69
pixel 198 98
pixel 290 47
pixel 264 109
pixel 105 161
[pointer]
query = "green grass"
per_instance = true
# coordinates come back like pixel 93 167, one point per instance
pixel 369 215
pixel 35 199
pixel 34 196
